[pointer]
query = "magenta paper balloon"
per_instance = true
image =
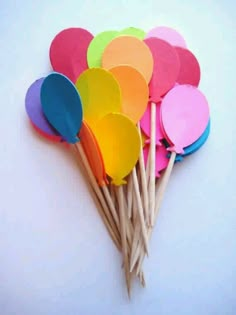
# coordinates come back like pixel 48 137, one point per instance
pixel 145 124
pixel 166 67
pixel 168 34
pixel 190 72
pixel 68 52
pixel 184 116
pixel 161 158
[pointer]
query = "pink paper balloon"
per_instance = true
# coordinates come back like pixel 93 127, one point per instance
pixel 190 72
pixel 161 158
pixel 184 116
pixel 145 124
pixel 166 67
pixel 168 34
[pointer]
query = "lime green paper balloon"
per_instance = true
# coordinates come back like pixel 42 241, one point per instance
pixel 97 46
pixel 119 142
pixel 133 31
pixel 100 94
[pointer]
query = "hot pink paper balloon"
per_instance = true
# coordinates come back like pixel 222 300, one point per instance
pixel 184 116
pixel 145 124
pixel 161 158
pixel 68 52
pixel 166 67
pixel 168 34
pixel 190 72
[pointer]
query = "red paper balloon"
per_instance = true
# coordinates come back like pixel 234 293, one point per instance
pixel 68 52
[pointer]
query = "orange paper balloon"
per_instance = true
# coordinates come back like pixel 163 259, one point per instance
pixel 129 50
pixel 93 153
pixel 134 91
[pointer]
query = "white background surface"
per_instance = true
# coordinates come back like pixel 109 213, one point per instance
pixel 55 254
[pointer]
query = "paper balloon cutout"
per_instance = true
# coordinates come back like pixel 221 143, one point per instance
pixel 133 31
pixel 168 34
pixel 145 124
pixel 129 50
pixel 166 67
pixel 68 52
pixel 97 46
pixel 119 142
pixel 184 116
pixel 134 91
pixel 34 110
pixel 190 72
pixel 161 161
pixel 93 154
pixel 61 105
pixel 100 94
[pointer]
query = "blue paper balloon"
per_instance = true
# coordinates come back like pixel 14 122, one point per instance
pixel 62 106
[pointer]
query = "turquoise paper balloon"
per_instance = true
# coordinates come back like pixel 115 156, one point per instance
pixel 62 106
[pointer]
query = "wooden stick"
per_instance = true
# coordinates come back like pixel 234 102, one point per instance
pixel 120 195
pixel 130 196
pixel 111 206
pixel 113 194
pixel 143 180
pixel 159 197
pixel 96 188
pixel 140 209
pixel 152 153
pixel 98 204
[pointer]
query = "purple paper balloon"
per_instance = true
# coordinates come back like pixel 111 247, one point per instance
pixel 34 110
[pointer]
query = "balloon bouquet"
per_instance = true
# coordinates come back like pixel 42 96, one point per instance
pixel 127 104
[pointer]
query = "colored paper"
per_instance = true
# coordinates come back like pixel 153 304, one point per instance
pixel 161 161
pixel 129 50
pixel 68 52
pixel 145 124
pixel 100 94
pixel 119 142
pixel 166 67
pixel 190 72
pixel 168 34
pixel 61 105
pixel 97 46
pixel 184 116
pixel 34 110
pixel 133 31
pixel 134 91
pixel 93 153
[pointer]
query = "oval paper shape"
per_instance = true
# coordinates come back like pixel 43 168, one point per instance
pixel 61 105
pixel 68 52
pixel 100 94
pixel 119 142
pixel 168 34
pixel 161 158
pixel 35 113
pixel 184 116
pixel 133 31
pixel 190 72
pixel 129 50
pixel 145 124
pixel 97 46
pixel 93 154
pixel 166 67
pixel 134 91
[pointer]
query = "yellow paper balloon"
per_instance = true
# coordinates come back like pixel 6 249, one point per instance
pixel 119 142
pixel 134 91
pixel 100 94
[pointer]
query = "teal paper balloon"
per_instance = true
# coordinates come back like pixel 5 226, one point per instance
pixel 62 106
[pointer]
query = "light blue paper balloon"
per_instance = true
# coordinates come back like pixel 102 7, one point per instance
pixel 62 106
